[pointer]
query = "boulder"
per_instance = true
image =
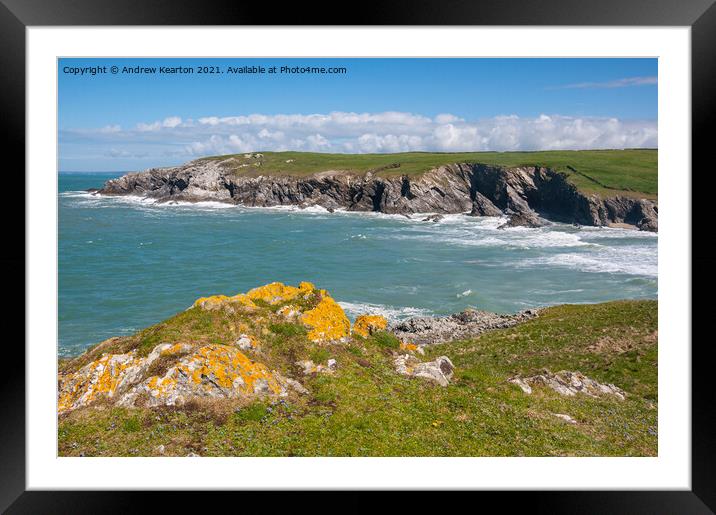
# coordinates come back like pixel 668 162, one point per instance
pixel 523 219
pixel 439 371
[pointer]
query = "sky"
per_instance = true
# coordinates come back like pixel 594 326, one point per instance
pixel 131 121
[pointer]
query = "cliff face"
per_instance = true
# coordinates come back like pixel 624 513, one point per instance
pixel 527 194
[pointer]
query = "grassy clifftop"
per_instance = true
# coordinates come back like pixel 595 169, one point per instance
pixel 361 406
pixel 604 172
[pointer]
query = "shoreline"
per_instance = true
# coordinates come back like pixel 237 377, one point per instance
pixel 430 216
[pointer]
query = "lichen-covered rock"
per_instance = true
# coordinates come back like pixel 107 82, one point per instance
pixel 327 321
pixel 568 383
pixel 108 376
pixel 185 372
pixel 272 293
pixel 275 293
pixel 219 301
pixel 214 371
pixel 365 325
pixel 439 371
pixel 211 302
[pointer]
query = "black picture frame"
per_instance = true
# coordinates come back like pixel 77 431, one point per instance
pixel 700 15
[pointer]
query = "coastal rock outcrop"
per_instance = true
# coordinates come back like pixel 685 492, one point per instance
pixel 568 383
pixel 170 375
pixel 526 194
pixel 469 323
pixel 244 346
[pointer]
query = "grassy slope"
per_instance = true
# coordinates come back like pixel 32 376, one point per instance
pixel 367 409
pixel 605 172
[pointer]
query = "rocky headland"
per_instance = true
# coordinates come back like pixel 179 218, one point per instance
pixel 529 195
pixel 280 370
pixel 176 372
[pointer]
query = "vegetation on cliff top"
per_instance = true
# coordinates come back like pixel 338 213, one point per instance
pixel 631 172
pixel 366 409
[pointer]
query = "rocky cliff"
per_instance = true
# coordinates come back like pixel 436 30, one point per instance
pixel 527 195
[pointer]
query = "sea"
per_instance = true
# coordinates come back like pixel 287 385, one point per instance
pixel 126 262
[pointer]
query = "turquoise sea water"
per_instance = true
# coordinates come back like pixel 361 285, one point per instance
pixel 126 263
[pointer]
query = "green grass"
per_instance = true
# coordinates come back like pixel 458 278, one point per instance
pixel 605 172
pixel 366 409
pixel 385 340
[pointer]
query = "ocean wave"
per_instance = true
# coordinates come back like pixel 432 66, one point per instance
pixel 623 260
pixel 392 313
pixel 462 236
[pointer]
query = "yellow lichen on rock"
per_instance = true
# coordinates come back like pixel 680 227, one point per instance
pixel 100 378
pixel 243 299
pixel 226 367
pixel 365 325
pixel 327 321
pixel 212 302
pixel 273 293
pixel 215 371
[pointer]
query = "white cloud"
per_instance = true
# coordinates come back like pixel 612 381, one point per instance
pixel 108 129
pixel 618 83
pixel 373 132
pixel 447 118
pixel 169 122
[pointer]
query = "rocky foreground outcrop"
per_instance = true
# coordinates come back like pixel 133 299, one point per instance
pixel 528 195
pixel 234 355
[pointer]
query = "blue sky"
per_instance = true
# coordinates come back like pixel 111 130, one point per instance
pixel 128 121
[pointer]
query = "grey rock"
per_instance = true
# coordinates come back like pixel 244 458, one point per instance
pixel 523 219
pixel 439 371
pixel 483 206
pixel 566 418
pixel 469 323
pixel 568 384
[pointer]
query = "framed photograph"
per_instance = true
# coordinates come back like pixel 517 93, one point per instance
pixel 449 248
